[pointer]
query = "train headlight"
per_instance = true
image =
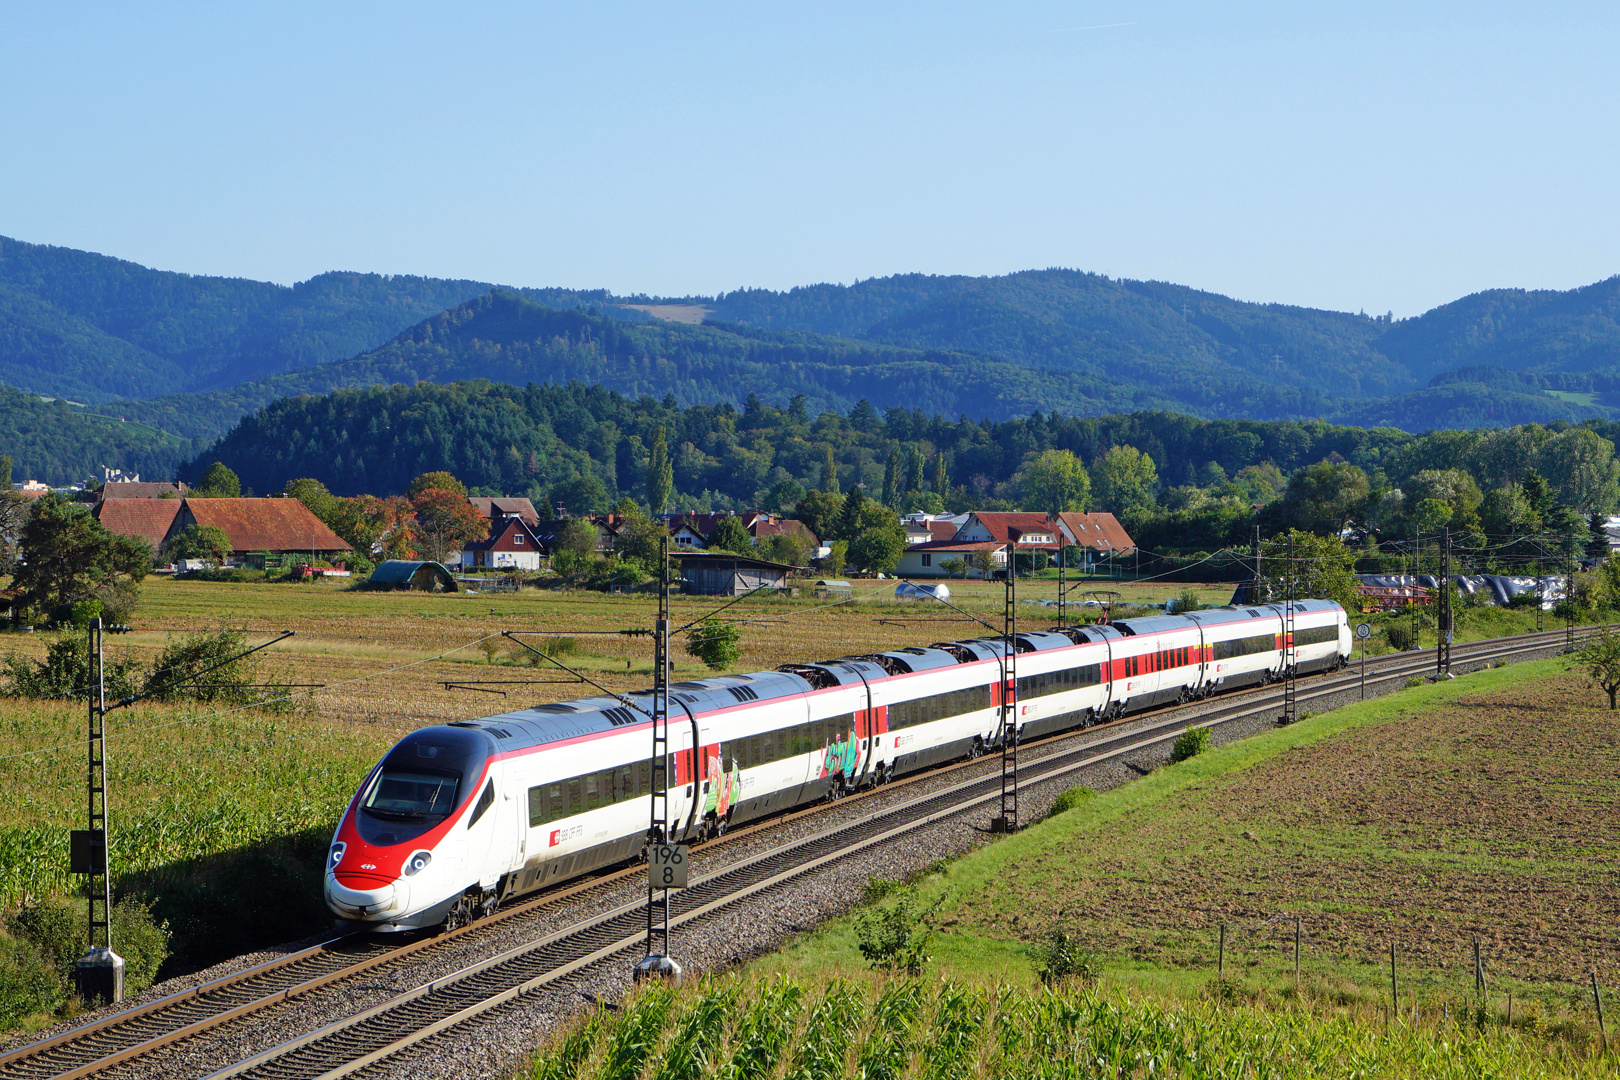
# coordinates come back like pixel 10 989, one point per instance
pixel 335 856
pixel 417 861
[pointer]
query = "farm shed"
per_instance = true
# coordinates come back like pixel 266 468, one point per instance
pixel 420 576
pixel 721 573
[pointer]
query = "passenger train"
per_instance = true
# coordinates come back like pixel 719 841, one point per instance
pixel 459 817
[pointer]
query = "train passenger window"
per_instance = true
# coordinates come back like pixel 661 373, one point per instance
pixel 575 804
pixel 537 806
pixel 485 801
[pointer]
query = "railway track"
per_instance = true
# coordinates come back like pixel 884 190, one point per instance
pixel 418 1014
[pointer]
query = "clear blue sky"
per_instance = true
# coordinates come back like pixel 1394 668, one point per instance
pixel 1370 155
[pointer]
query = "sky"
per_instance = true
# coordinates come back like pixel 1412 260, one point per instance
pixel 1375 156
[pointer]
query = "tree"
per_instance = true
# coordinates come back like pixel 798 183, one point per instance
pixel 444 520
pixel 208 543
pixel 942 483
pixel 954 567
pixel 218 482
pixel 1581 467
pixel 788 548
pixel 783 497
pixel 1053 482
pixel 819 512
pixel 878 550
pixel 639 541
pixel 916 469
pixel 315 497
pixel 581 495
pixel 849 515
pixel 14 510
pixel 1122 480
pixel 829 473
pixel 67 556
pixel 1318 568
pixel 891 478
pixel 837 557
pixel 1325 497
pixel 984 560
pixel 729 535
pixel 660 474
pixel 373 526
pixel 715 643
pixel 575 537
pixel 438 479
pixel 1600 659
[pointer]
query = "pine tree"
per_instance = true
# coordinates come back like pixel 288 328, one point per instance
pixel 660 475
pixel 849 519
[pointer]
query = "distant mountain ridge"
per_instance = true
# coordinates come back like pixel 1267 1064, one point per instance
pixel 191 355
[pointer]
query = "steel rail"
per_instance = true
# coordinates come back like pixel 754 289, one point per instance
pixel 124 1036
pixel 355 1043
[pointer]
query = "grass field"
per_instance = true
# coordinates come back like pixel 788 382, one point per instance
pixel 1485 807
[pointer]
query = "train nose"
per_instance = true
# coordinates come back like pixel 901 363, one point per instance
pixel 366 897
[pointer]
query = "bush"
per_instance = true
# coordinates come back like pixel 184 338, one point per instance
pixel 1190 743
pixel 1500 661
pixel 200 668
pixel 28 982
pixel 1414 682
pixel 56 931
pixel 66 672
pixel 1187 600
pixel 1058 958
pixel 1400 636
pixel 1072 799
pixel 358 565
pixel 877 889
pixel 895 938
pixel 714 643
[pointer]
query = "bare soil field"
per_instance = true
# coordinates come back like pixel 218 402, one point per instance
pixel 1494 814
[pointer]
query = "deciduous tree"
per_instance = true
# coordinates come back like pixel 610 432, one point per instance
pixel 67 556
pixel 660 474
pixel 1599 657
pixel 442 521
pixel 1053 482
pixel 218 482
pixel 729 535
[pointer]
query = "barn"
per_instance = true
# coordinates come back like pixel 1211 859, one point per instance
pixel 723 573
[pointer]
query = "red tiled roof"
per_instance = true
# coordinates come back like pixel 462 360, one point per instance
pixel 266 524
pixel 998 522
pixel 141 489
pixel 504 507
pixel 1101 532
pixel 771 526
pixel 150 519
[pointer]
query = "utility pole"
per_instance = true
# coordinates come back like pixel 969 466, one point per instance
pixel 1063 580
pixel 98 975
pixel 1254 553
pixel 1007 821
pixel 658 963
pixel 1541 584
pixel 1443 616
pixel 1290 711
pixel 1417 565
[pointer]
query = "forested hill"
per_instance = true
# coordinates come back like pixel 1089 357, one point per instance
pixel 193 354
pixel 93 328
pixel 506 338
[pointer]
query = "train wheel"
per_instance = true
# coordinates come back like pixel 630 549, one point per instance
pixel 977 749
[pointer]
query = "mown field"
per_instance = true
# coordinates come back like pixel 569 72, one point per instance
pixel 1481 808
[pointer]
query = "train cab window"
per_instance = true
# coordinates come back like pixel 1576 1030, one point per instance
pixel 485 801
pixel 399 795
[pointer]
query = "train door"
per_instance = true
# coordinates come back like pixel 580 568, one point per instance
pixel 685 798
pixel 1106 682
pixel 857 772
pixel 510 834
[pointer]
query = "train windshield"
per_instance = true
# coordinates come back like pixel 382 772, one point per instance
pixel 399 794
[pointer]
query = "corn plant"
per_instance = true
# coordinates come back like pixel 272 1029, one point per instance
pixel 761 1037
pixel 635 1036
pixel 691 1051
pixel 828 1032
pixel 888 1044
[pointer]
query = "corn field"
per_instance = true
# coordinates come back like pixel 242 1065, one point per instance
pixel 738 1028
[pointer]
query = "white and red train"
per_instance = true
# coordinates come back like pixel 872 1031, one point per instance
pixel 457 818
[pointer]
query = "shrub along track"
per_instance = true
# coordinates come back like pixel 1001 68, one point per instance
pixel 418 1014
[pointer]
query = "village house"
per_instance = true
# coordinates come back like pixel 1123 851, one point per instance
pixel 511 545
pixel 690 530
pixel 1097 535
pixel 276 526
pixel 496 509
